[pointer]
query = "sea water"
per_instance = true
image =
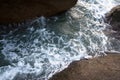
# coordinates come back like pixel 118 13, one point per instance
pixel 38 49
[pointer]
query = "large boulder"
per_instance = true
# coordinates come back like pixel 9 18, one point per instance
pixel 20 10
pixel 113 18
pixel 103 68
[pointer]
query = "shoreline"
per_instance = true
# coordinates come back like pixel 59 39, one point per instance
pixel 101 68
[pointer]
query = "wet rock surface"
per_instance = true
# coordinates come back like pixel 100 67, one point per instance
pixel 102 68
pixel 113 19
pixel 20 10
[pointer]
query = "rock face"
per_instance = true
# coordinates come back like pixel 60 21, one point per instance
pixel 20 10
pixel 103 68
pixel 113 18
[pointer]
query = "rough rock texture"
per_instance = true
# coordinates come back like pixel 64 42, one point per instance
pixel 103 68
pixel 20 10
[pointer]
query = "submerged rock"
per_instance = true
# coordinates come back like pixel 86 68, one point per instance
pixel 102 68
pixel 20 10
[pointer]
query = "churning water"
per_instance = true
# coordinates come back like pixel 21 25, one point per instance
pixel 46 46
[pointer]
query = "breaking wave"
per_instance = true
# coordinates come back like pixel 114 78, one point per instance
pixel 46 46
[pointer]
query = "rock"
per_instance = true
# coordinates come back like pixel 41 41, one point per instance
pixel 113 18
pixel 20 10
pixel 102 68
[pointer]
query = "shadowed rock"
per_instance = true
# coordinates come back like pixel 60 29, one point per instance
pixel 102 68
pixel 20 10
pixel 113 18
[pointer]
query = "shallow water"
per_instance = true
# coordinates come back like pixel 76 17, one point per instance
pixel 45 46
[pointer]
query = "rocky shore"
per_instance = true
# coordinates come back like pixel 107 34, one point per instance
pixel 113 19
pixel 102 68
pixel 13 11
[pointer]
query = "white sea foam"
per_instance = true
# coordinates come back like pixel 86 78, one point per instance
pixel 38 53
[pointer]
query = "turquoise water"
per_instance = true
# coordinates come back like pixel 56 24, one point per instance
pixel 45 46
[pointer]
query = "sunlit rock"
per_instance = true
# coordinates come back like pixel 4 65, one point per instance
pixel 104 68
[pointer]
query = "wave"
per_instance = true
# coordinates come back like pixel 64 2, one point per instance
pixel 46 46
